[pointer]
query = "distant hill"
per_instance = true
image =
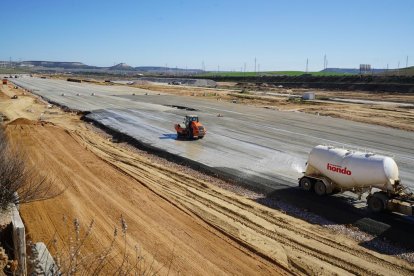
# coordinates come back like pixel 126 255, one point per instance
pixel 122 67
pixel 79 67
pixel 55 64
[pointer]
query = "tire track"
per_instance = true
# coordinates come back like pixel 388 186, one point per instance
pixel 138 168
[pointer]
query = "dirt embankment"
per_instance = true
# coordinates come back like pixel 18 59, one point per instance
pixel 170 211
pixel 98 190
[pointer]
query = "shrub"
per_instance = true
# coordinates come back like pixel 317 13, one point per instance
pixel 19 182
pixel 75 256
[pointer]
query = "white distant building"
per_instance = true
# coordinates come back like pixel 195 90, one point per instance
pixel 308 96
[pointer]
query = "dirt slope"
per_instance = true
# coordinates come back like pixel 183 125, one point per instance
pixel 97 190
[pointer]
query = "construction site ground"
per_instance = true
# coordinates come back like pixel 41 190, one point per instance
pixel 386 109
pixel 202 224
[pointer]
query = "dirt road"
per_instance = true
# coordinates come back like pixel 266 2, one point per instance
pixel 206 229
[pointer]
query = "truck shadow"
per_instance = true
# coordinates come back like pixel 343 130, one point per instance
pixel 385 233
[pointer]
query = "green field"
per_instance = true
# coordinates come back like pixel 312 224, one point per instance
pixel 13 71
pixel 268 73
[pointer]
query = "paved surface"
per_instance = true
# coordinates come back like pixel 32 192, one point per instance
pixel 267 146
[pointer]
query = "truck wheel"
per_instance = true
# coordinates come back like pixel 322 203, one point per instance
pixel 320 188
pixel 377 202
pixel 306 184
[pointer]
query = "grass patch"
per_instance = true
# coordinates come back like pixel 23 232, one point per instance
pixel 13 71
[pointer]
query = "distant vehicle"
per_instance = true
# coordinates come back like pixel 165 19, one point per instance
pixel 14 97
pixel 332 170
pixel 175 83
pixel 4 81
pixel 191 128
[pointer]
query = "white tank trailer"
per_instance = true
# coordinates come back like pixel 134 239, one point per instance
pixel 332 170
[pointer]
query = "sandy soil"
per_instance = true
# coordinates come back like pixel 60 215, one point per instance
pixel 207 229
pixel 384 115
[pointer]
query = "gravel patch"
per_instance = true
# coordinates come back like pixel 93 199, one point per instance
pixel 366 240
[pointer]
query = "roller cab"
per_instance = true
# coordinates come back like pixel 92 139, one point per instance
pixel 190 129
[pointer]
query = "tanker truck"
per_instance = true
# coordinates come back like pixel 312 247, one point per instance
pixel 332 170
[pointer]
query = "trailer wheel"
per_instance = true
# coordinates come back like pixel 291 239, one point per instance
pixel 320 188
pixel 377 202
pixel 306 184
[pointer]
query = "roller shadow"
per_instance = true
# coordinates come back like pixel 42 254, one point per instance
pixel 167 136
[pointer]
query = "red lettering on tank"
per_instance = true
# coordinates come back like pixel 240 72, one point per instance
pixel 338 169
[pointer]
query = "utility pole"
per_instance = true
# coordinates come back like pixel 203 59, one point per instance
pixel 255 65
pixel 406 62
pixel 307 64
pixel 398 68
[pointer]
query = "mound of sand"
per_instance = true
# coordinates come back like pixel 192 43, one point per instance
pixel 22 121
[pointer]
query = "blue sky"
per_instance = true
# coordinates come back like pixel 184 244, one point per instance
pixel 280 34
